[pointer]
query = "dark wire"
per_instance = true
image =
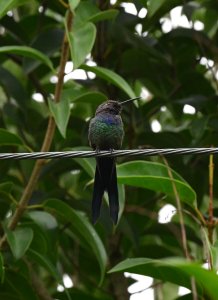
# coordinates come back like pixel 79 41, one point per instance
pixel 114 153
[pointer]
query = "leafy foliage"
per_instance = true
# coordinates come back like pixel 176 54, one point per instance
pixel 119 55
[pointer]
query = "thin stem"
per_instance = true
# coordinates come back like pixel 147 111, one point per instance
pixel 179 210
pixel 210 208
pixel 13 200
pixel 210 223
pixel 201 217
pixel 182 227
pixel 64 4
pixel 194 289
pixel 47 139
pixel 118 283
pixel 36 206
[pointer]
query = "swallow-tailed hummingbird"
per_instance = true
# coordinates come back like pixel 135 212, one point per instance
pixel 106 133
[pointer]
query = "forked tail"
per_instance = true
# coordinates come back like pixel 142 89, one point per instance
pixel 105 180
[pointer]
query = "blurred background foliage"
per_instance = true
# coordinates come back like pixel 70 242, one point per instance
pixel 162 50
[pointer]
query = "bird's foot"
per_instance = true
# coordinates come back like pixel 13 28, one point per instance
pixel 97 150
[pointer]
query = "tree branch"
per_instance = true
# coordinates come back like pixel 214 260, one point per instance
pixel 37 284
pixel 210 208
pixel 47 139
pixel 118 283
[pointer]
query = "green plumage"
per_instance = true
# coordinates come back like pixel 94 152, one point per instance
pixel 106 135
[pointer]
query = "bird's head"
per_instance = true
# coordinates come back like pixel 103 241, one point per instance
pixel 113 107
pixel 110 106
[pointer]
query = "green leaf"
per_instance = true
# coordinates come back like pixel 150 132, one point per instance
pixel 41 242
pixel 111 77
pixel 82 225
pixel 174 270
pixel 28 52
pixel 83 96
pixel 13 86
pixel 73 4
pixel 214 255
pixel 44 262
pixel 43 219
pixel 154 6
pixel 88 164
pixel 5 6
pixel 8 138
pixel 6 187
pixel 154 176
pixel 6 199
pixel 19 240
pixel 81 41
pixel 211 250
pixel 87 11
pixel 61 113
pixel 19 285
pixel 2 269
pixel 47 42
pixel 103 15
pixel 8 296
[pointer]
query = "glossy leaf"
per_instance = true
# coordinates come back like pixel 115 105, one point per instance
pixel 61 113
pixel 73 4
pixel 20 286
pixel 48 43
pixel 111 77
pixel 12 86
pixel 154 5
pixel 41 241
pixel 8 138
pixel 6 199
pixel 83 96
pixel 43 219
pixel 173 270
pixel 5 6
pixel 6 187
pixel 88 12
pixel 44 262
pixel 103 15
pixel 19 240
pixel 155 176
pixel 88 164
pixel 9 296
pixel 81 42
pixel 28 52
pixel 82 225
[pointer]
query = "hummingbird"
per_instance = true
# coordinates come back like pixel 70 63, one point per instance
pixel 106 133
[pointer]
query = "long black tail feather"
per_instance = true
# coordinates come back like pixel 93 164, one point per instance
pixel 98 193
pixel 105 180
pixel 113 196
